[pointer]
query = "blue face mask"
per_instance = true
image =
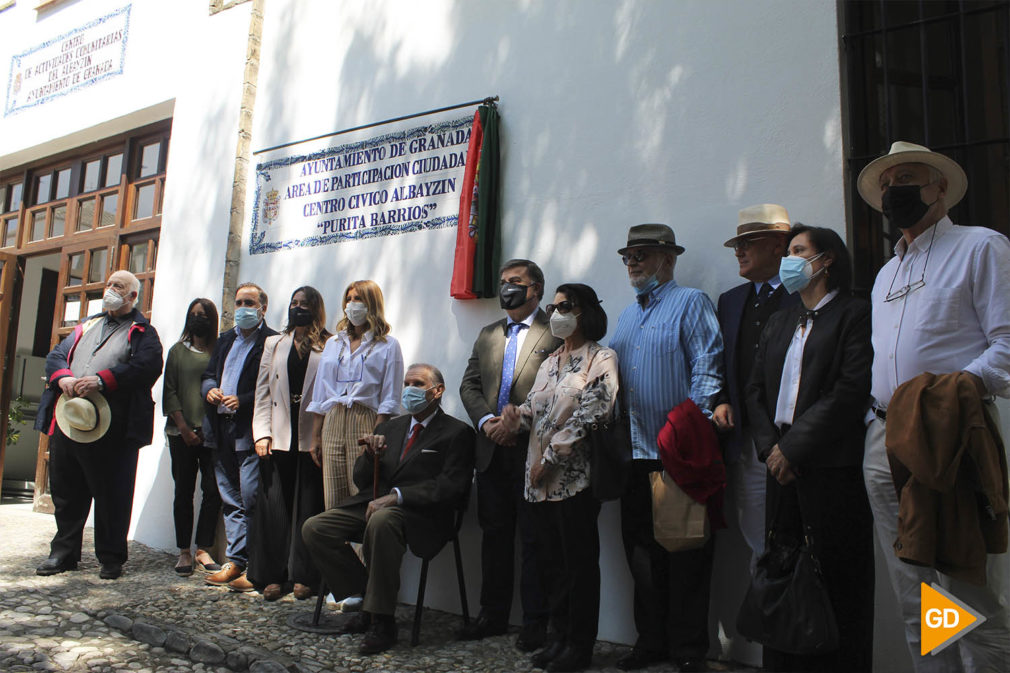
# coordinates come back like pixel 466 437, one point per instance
pixel 797 272
pixel 246 317
pixel 650 284
pixel 414 400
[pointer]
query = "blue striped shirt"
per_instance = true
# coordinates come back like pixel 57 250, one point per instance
pixel 668 351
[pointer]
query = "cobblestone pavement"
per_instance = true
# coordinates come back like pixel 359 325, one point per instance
pixel 150 621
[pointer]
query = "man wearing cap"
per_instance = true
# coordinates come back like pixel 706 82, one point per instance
pixel 670 349
pixel 940 305
pixel 103 373
pixel 502 368
pixel 759 245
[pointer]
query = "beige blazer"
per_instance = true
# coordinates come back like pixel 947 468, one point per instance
pixel 272 411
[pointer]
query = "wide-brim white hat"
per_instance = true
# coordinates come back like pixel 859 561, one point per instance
pixel 759 220
pixel 83 419
pixel 909 153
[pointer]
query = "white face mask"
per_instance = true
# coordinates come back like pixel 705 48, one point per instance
pixel 563 324
pixel 111 300
pixel 356 313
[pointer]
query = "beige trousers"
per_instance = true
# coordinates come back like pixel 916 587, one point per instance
pixel 342 427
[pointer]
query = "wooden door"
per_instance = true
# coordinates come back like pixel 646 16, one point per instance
pixel 11 274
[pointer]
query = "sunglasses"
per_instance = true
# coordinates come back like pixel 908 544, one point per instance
pixel 563 307
pixel 636 257
pixel 744 243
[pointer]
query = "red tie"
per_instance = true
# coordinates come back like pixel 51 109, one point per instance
pixel 410 441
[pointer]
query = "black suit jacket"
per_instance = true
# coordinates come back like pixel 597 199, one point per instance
pixel 433 478
pixel 482 379
pixel 730 309
pixel 834 393
pixel 246 389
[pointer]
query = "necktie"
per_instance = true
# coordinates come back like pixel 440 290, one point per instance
pixel 508 365
pixel 766 291
pixel 410 440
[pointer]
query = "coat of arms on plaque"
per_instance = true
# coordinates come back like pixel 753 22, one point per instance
pixel 271 206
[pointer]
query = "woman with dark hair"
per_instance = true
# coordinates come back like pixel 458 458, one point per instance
pixel 575 387
pixel 291 484
pixel 358 387
pixel 807 398
pixel 182 402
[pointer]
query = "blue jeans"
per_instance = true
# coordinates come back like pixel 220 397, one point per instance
pixel 237 475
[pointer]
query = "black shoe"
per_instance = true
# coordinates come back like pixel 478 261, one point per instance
pixel 110 571
pixel 482 627
pixel 636 659
pixel 691 665
pixel 532 636
pixel 359 623
pixel 572 659
pixel 548 654
pixel 381 635
pixel 55 565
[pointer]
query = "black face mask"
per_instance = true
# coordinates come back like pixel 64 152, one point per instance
pixel 198 325
pixel 299 317
pixel 902 205
pixel 512 295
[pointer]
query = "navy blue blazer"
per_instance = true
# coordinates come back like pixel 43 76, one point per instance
pixel 730 310
pixel 246 389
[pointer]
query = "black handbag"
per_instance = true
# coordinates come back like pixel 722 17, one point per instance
pixel 609 457
pixel 787 607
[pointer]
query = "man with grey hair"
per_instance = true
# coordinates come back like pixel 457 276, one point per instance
pixel 106 366
pixel 425 462
pixel 939 305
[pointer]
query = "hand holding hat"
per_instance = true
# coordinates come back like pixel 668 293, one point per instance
pixel 83 419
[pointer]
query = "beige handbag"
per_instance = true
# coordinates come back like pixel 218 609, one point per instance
pixel 679 522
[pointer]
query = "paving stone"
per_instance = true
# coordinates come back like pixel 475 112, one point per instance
pixel 207 652
pixel 148 633
pixel 177 641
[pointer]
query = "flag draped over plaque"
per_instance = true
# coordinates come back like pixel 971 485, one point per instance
pixel 475 268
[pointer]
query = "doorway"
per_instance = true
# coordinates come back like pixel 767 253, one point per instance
pixel 29 334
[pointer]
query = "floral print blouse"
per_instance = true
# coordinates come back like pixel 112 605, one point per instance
pixel 572 390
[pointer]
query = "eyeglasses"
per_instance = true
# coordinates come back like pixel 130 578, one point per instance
pixel 563 307
pixel 893 294
pixel 636 257
pixel 744 243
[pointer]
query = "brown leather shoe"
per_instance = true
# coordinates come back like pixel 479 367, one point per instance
pixel 241 584
pixel 381 635
pixel 227 573
pixel 303 591
pixel 272 592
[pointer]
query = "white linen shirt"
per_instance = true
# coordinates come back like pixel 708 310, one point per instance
pixel 372 375
pixel 792 368
pixel 959 320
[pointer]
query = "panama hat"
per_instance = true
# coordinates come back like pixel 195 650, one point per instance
pixel 909 153
pixel 651 236
pixel 83 419
pixel 764 218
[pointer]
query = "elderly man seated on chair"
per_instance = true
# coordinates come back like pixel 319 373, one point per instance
pixel 425 464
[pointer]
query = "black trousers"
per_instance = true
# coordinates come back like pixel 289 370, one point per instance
pixel 671 588
pixel 187 461
pixel 836 509
pixel 500 506
pixel 290 491
pixel 568 554
pixel 103 471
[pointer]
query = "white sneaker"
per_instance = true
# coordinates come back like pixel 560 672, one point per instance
pixel 351 604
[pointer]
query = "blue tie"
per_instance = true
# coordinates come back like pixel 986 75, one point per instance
pixel 508 365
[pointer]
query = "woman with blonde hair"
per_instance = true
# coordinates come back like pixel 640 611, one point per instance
pixel 290 483
pixel 357 387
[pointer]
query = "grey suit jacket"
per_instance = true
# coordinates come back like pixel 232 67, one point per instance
pixel 482 378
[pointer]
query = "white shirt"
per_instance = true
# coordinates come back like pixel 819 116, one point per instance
pixel 372 375
pixel 520 340
pixel 959 320
pixel 792 368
